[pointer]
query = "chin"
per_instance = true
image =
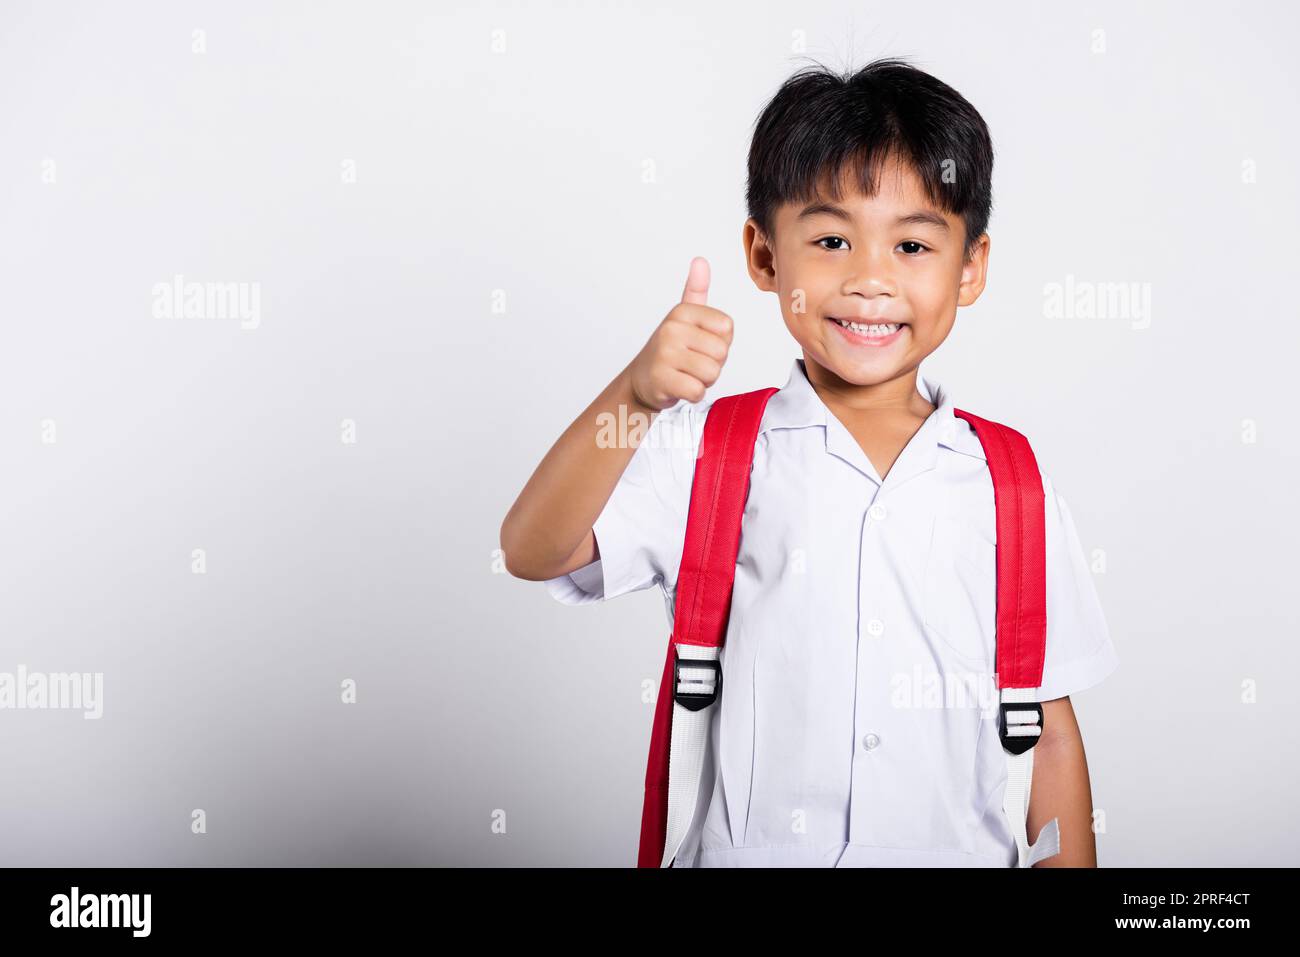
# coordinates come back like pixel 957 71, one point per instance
pixel 864 371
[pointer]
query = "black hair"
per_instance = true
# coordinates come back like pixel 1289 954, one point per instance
pixel 820 121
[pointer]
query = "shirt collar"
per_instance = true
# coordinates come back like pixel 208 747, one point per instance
pixel 797 405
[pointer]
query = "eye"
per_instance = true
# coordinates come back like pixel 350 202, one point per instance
pixel 912 242
pixel 832 239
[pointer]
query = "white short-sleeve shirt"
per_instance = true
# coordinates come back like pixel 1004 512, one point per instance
pixel 857 724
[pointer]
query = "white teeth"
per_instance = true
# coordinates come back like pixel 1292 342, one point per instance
pixel 873 329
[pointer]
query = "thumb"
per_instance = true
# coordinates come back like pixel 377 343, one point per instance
pixel 697 282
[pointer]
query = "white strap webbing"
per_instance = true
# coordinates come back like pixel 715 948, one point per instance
pixel 687 751
pixel 1020 777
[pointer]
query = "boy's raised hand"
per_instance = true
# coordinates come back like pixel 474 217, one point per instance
pixel 686 353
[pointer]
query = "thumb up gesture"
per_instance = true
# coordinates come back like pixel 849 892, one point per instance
pixel 686 352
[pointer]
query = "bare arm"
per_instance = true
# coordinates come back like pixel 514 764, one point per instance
pixel 548 531
pixel 1061 789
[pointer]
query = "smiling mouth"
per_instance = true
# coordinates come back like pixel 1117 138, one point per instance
pixel 872 330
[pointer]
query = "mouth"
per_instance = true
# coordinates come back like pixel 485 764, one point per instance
pixel 869 333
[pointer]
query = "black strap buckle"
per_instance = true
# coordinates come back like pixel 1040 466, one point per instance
pixel 696 700
pixel 1019 743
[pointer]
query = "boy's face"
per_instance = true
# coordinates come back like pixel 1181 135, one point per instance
pixel 892 258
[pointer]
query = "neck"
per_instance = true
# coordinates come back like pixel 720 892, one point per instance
pixel 891 397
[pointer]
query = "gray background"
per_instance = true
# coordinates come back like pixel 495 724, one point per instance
pixel 521 171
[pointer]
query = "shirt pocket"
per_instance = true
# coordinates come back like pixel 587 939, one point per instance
pixel 960 596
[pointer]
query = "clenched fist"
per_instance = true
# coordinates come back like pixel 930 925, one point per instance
pixel 686 353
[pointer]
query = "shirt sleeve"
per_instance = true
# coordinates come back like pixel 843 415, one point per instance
pixel 1079 648
pixel 640 532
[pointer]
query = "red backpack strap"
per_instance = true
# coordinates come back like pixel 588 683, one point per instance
pixel 1021 623
pixel 702 607
pixel 718 493
pixel 1021 553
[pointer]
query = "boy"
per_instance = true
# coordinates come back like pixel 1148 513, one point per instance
pixel 866 571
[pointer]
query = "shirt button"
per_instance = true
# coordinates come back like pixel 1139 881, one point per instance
pixel 878 512
pixel 875 628
pixel 870 742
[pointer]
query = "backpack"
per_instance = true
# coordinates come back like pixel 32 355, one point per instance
pixel 692 678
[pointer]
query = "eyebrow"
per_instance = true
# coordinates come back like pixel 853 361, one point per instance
pixel 922 217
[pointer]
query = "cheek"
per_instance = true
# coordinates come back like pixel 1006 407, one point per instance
pixel 928 301
pixel 933 295
pixel 803 292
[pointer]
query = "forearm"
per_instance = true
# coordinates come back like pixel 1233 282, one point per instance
pixel 1061 788
pixel 553 515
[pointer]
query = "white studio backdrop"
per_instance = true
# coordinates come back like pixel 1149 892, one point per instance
pixel 434 232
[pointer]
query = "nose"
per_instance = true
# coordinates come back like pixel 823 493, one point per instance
pixel 869 273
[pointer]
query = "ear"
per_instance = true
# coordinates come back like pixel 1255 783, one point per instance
pixel 759 257
pixel 974 272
